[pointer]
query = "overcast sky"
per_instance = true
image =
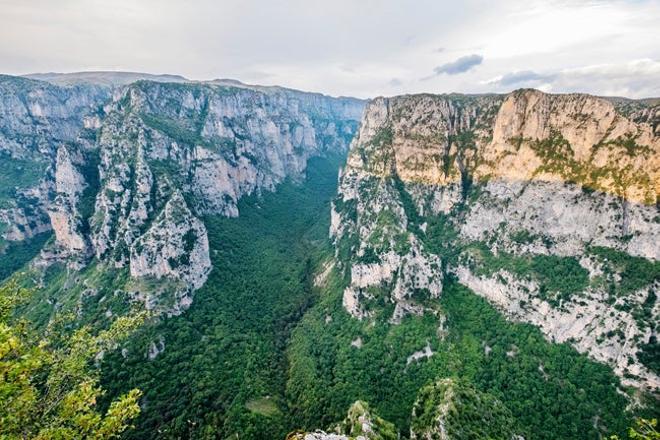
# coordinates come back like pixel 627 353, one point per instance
pixel 361 48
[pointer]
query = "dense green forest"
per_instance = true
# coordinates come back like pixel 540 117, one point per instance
pixel 552 391
pixel 15 254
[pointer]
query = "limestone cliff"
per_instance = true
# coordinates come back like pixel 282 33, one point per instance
pixel 544 204
pixel 42 126
pixel 210 144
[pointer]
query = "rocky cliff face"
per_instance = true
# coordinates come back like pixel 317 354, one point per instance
pixel 544 204
pixel 207 145
pixel 129 171
pixel 42 126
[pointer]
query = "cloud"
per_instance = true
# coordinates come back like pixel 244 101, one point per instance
pixel 395 82
pixel 523 77
pixel 461 65
pixel 638 78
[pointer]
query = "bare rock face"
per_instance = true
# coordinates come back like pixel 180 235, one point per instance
pixel 175 246
pixel 63 211
pixel 574 137
pixel 567 214
pixel 496 190
pixel 41 126
pixel 171 153
pixel 36 115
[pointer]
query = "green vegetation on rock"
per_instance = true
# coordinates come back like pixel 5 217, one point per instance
pixel 15 254
pixel 451 409
pixel 633 272
pixel 17 174
pixel 359 415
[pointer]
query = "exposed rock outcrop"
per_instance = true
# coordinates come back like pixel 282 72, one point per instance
pixel 201 147
pixel 175 246
pixel 63 210
pixel 42 125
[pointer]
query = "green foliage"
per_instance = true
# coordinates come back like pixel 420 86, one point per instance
pixel 408 203
pixel 16 174
pixel 48 386
pixel 175 129
pixel 90 173
pixel 624 274
pixel 523 236
pixel 264 406
pixel 358 414
pixel 384 136
pixel 551 390
pixel 563 275
pixel 643 430
pixel 63 291
pixel 649 354
pixel 558 157
pixel 377 154
pixel 466 158
pixel 634 272
pixel 460 412
pixel 346 207
pixel 558 277
pixel 441 237
pixel 387 233
pixel 17 253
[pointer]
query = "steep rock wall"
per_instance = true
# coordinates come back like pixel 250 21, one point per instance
pixel 497 191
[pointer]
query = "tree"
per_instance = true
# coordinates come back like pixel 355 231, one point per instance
pixel 643 430
pixel 48 384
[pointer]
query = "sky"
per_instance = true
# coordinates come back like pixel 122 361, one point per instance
pixel 362 48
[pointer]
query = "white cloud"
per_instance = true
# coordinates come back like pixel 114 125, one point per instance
pixel 637 78
pixel 519 78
